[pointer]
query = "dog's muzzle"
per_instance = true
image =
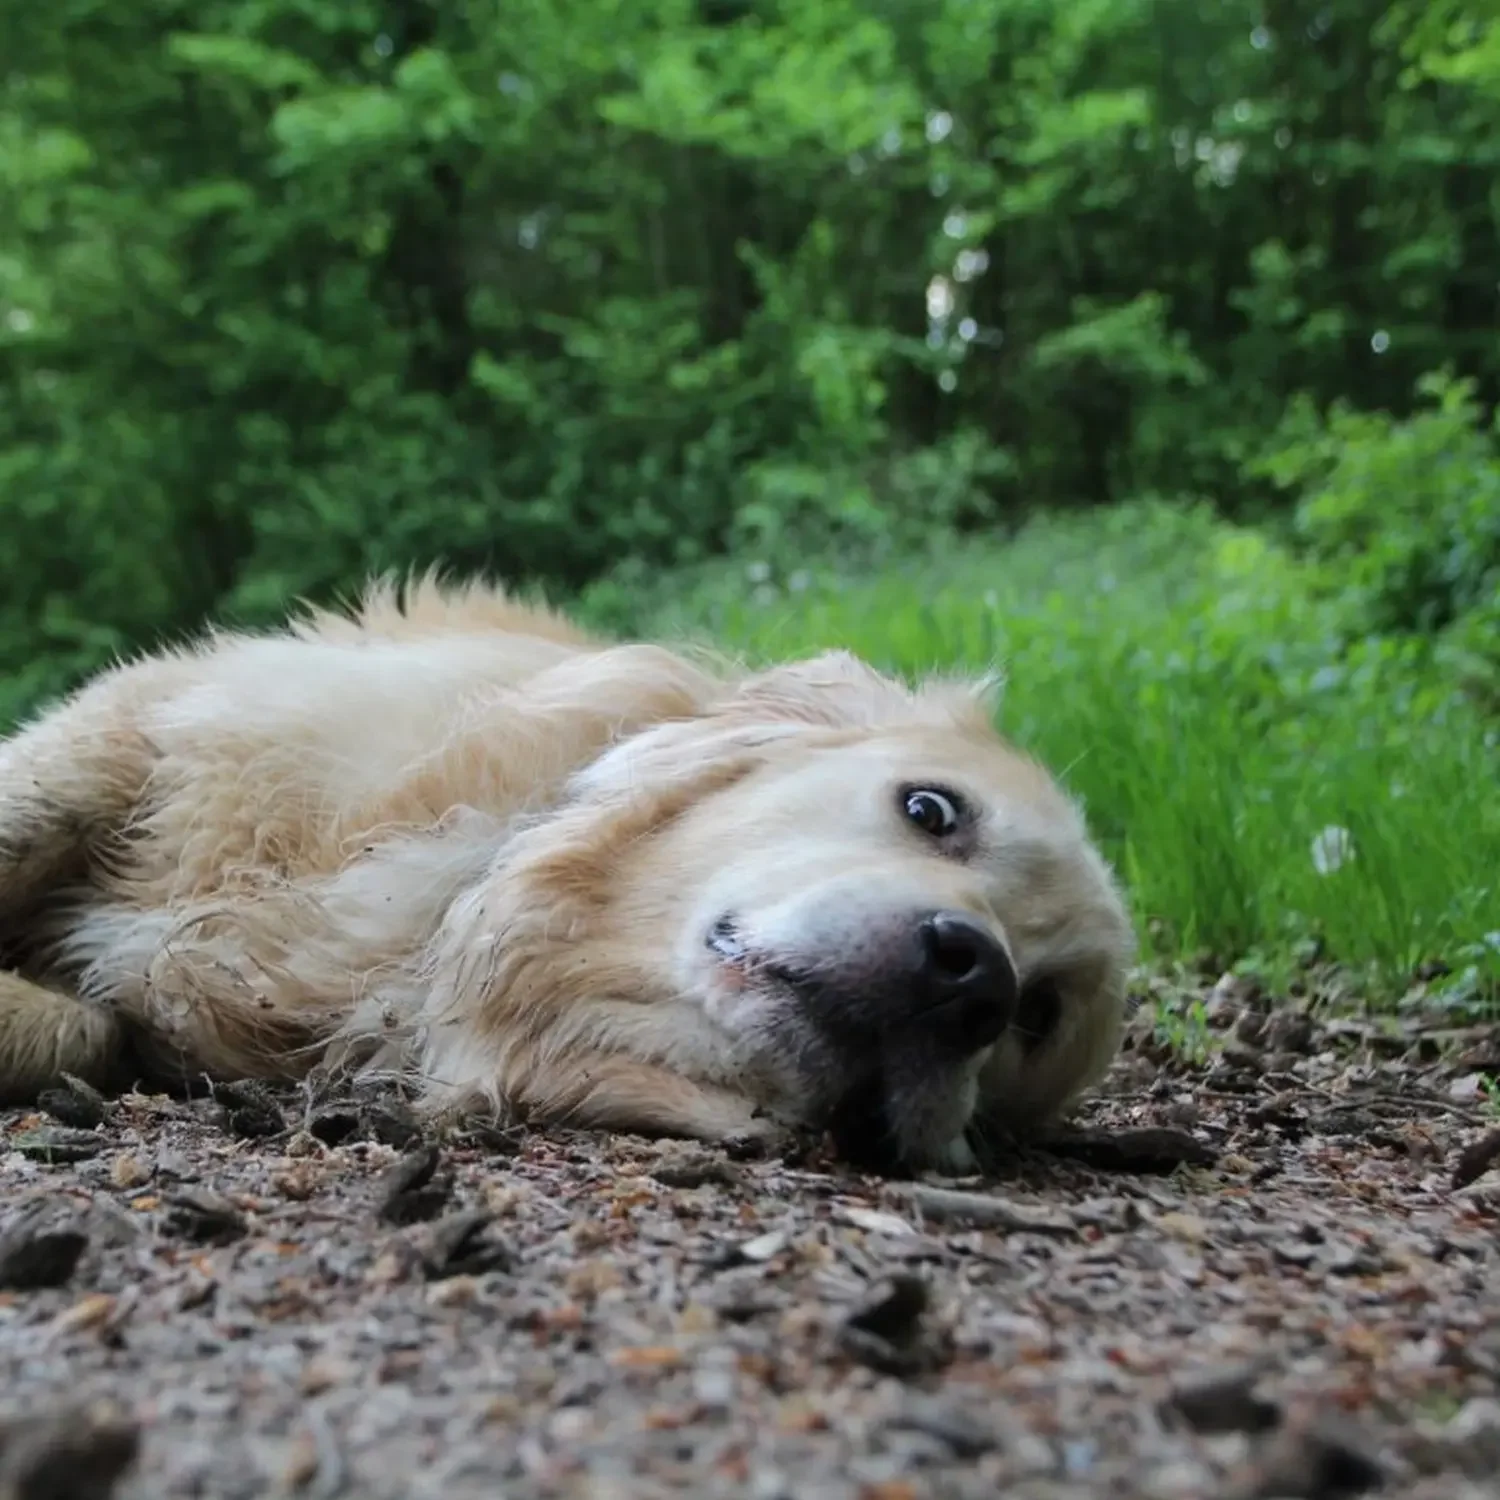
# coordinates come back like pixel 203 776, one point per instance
pixel 897 1014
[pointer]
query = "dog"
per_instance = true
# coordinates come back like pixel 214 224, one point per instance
pixel 558 879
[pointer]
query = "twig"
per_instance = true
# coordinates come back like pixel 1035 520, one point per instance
pixel 985 1210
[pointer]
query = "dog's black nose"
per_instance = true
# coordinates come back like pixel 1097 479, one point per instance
pixel 966 980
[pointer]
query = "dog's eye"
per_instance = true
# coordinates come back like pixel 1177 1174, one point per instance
pixel 935 813
pixel 1038 1011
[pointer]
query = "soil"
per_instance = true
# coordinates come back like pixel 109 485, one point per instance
pixel 1270 1274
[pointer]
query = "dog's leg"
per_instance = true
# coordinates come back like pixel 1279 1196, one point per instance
pixel 45 1033
pixel 602 1092
pixel 66 781
pixel 619 1093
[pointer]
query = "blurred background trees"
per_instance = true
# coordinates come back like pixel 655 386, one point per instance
pixel 293 290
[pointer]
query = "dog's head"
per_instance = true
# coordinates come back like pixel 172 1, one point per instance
pixel 850 901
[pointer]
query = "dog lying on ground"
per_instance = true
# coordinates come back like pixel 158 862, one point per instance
pixel 555 878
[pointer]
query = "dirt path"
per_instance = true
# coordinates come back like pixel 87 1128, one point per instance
pixel 1305 1305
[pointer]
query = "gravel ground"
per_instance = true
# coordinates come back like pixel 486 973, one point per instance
pixel 1271 1275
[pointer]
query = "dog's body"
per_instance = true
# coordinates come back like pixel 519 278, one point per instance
pixel 575 881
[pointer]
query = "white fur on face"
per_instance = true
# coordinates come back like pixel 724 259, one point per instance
pixel 812 859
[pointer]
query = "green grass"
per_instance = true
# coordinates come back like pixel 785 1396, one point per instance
pixel 1206 709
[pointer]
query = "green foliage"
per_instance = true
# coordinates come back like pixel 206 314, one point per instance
pixel 1259 784
pixel 294 290
pixel 1404 518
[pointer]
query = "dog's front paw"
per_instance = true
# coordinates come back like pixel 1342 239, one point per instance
pixel 765 1140
pixel 957 1158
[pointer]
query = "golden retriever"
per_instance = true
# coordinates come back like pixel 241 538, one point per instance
pixel 557 878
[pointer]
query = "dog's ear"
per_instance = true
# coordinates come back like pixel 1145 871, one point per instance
pixel 679 754
pixel 832 692
pixel 837 690
pixel 734 729
pixel 967 698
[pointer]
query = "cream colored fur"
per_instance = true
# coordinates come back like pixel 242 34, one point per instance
pixel 453 834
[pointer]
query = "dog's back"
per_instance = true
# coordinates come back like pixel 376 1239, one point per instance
pixel 357 696
pixel 178 777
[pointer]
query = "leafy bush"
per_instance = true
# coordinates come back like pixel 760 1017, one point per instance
pixel 1402 518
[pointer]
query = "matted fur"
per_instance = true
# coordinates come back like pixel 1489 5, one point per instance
pixel 451 833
